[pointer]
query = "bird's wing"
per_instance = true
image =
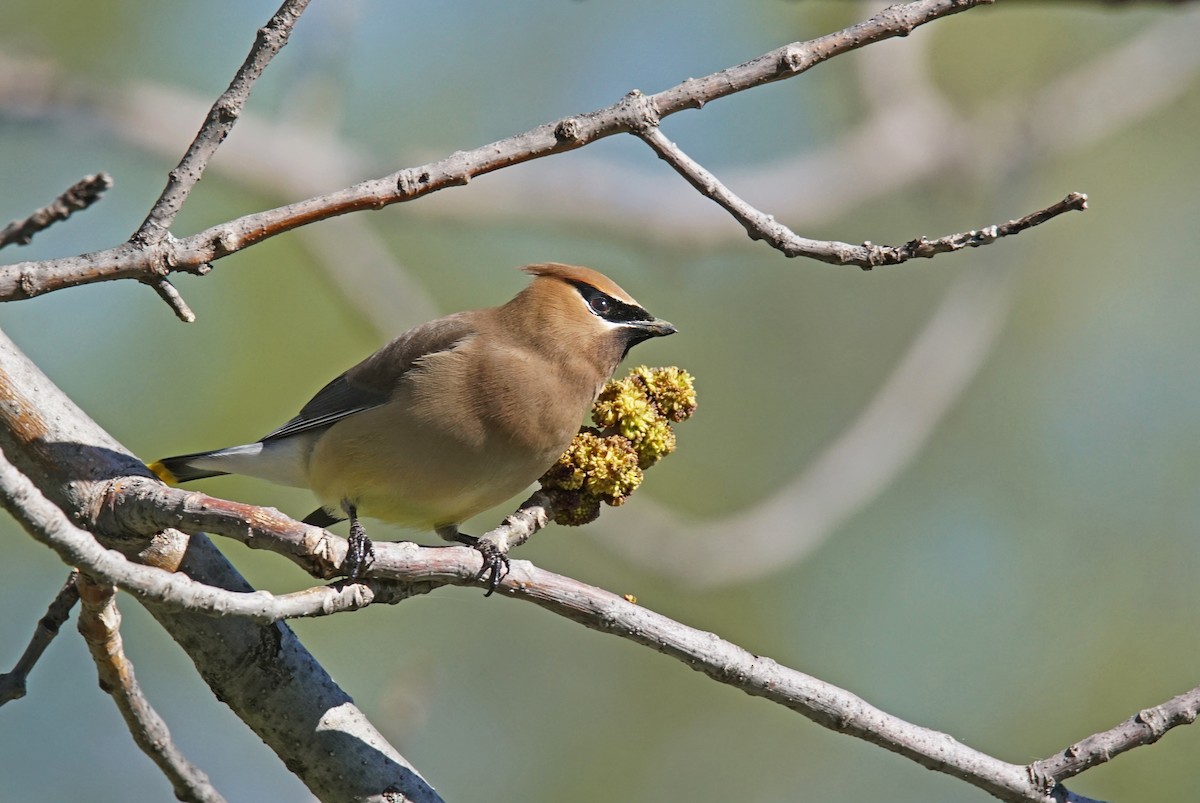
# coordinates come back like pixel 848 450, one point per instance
pixel 371 383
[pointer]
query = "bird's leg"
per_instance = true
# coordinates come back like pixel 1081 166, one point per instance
pixel 495 562
pixel 360 553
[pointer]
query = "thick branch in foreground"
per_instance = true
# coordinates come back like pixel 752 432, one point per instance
pixel 631 114
pixel 99 623
pixel 262 672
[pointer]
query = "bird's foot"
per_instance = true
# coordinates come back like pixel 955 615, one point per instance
pixel 495 564
pixel 495 560
pixel 360 552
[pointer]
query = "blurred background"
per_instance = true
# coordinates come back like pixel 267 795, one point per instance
pixel 962 488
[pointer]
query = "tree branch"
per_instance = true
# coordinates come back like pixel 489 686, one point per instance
pixel 12 684
pixel 50 526
pixel 144 504
pixel 1145 727
pixel 629 115
pixel 761 226
pixel 1095 99
pixel 77 197
pixel 99 623
pixel 220 121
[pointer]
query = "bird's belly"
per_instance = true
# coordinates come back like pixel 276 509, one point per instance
pixel 416 476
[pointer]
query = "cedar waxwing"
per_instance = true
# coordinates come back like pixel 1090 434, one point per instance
pixel 452 417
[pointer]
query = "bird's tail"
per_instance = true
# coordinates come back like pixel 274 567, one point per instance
pixel 283 461
pixel 174 470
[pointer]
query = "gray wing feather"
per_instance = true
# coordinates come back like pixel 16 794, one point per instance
pixel 333 402
pixel 372 382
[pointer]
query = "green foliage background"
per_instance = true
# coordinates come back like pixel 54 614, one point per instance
pixel 1028 580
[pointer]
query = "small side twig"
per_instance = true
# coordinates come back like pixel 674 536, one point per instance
pixel 168 293
pixel 77 197
pixel 519 526
pixel 12 684
pixel 1145 727
pixel 761 226
pixel 99 624
pixel 217 125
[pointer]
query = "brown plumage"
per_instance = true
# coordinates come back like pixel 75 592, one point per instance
pixel 454 416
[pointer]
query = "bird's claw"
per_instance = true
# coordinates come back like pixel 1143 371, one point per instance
pixel 360 552
pixel 495 564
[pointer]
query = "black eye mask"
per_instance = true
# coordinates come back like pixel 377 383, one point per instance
pixel 611 309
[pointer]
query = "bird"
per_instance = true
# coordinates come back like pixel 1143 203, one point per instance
pixel 450 418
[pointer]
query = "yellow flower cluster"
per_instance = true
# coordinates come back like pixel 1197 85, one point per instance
pixel 634 417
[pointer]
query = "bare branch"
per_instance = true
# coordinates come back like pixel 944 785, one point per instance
pixel 824 703
pixel 145 504
pixel 633 113
pixel 220 121
pixel 1098 97
pixel 168 293
pixel 1144 727
pixel 12 684
pixel 761 226
pixel 49 525
pixel 77 197
pixel 99 623
pixel 924 248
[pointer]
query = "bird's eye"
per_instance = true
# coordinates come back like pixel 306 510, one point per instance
pixel 601 304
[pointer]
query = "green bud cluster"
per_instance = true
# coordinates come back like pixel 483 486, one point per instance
pixel 634 416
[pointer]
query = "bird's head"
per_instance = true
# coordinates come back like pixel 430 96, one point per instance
pixel 583 310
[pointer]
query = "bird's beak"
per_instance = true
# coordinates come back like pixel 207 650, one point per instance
pixel 656 328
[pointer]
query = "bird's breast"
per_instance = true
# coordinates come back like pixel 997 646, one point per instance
pixel 459 436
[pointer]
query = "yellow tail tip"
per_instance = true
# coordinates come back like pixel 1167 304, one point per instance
pixel 163 473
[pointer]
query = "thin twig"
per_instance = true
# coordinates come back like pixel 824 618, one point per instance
pixel 168 293
pixel 99 624
pixel 77 197
pixel 725 662
pixel 221 118
pixel 1145 727
pixel 761 226
pixel 12 684
pixel 631 114
pixel 155 229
